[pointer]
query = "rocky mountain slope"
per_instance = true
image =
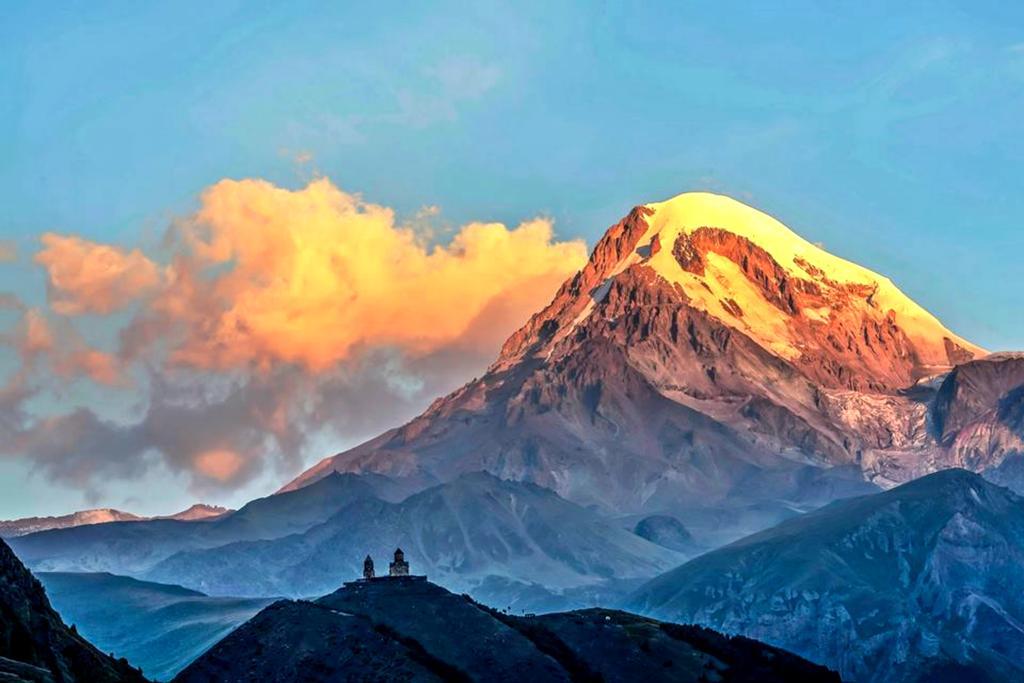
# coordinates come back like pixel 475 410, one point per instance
pixel 504 542
pixel 29 525
pixel 408 629
pixel 897 586
pixel 36 645
pixel 159 628
pixel 707 362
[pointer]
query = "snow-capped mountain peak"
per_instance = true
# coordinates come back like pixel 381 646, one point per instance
pixel 751 271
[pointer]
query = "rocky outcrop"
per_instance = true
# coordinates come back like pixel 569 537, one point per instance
pixel 973 392
pixel 618 243
pixel 666 531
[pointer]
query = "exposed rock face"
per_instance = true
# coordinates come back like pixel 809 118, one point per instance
pixel 408 629
pixel 887 587
pixel 198 512
pixel 666 531
pixel 36 644
pixel 974 390
pixel 706 360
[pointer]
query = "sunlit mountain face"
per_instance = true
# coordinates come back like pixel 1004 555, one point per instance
pixel 708 359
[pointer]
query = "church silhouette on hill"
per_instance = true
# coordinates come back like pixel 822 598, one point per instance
pixel 397 569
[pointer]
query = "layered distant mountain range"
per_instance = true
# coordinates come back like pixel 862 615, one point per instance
pixel 708 375
pixel 30 525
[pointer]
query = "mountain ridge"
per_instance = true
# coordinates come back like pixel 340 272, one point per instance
pixel 883 587
pixel 475 534
pixel 410 629
pixel 30 525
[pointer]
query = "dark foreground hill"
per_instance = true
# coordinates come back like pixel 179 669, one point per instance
pixel 895 586
pixel 412 630
pixel 35 645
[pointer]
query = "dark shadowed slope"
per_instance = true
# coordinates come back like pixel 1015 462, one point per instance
pixel 408 629
pixel 882 587
pixel 157 627
pixel 32 634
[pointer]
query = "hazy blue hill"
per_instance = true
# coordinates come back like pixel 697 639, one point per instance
pixel 881 587
pixel 133 547
pixel 409 629
pixel 463 534
pixel 158 627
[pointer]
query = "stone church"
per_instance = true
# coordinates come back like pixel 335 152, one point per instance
pixel 398 567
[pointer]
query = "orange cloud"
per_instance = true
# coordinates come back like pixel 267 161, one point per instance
pixel 280 314
pixel 100 367
pixel 220 464
pixel 8 252
pixel 36 340
pixel 34 337
pixel 308 276
pixel 86 277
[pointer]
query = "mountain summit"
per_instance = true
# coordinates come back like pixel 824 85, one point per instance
pixel 706 359
pixel 842 324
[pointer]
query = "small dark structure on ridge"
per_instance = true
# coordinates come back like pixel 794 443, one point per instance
pixel 399 567
pixel 398 570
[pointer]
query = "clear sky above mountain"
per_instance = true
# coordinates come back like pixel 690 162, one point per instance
pixel 888 133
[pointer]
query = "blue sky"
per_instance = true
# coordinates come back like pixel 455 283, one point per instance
pixel 890 132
